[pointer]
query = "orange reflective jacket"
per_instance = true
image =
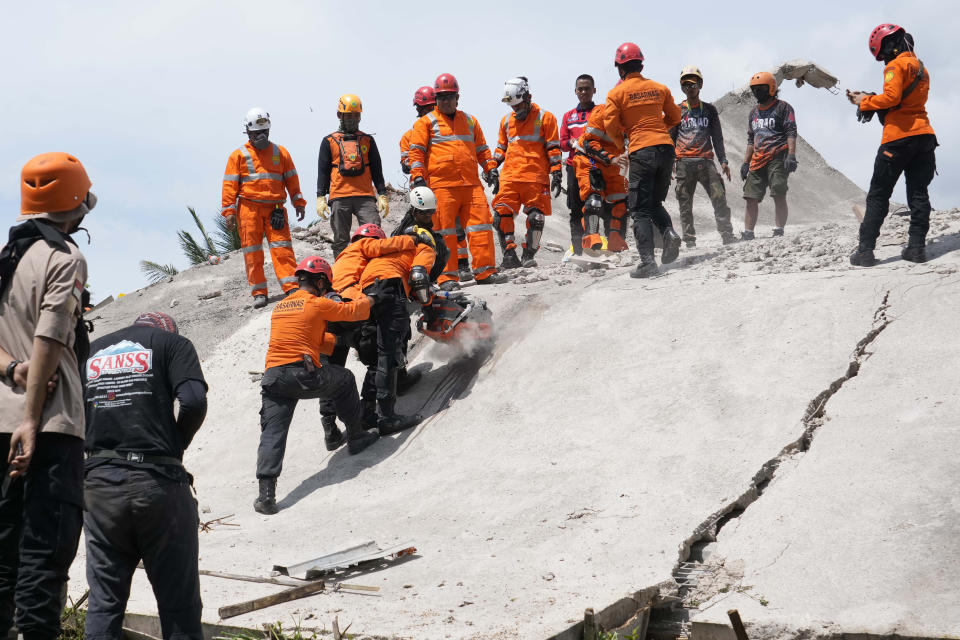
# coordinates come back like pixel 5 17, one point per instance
pixel 595 136
pixel 445 151
pixel 342 184
pixel 351 262
pixel 531 147
pixel 260 176
pixel 398 264
pixel 298 326
pixel 910 118
pixel 405 149
pixel 643 109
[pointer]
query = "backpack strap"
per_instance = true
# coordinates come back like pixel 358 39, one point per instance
pixel 910 87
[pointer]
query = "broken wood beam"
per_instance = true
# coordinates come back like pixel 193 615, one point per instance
pixel 286 595
pixel 737 623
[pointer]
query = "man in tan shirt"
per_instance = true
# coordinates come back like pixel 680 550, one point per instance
pixel 42 277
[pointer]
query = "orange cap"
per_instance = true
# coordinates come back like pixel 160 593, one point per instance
pixel 53 182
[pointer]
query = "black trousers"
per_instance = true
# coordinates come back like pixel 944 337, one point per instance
pixel 280 390
pixel 914 156
pixel 650 170
pixel 575 204
pixel 40 522
pixel 141 514
pixel 393 321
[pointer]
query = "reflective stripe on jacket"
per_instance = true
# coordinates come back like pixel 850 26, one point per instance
pixel 260 176
pixel 596 137
pixel 445 151
pixel 528 148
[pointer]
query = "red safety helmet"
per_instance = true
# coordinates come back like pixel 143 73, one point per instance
pixel 627 52
pixel 877 36
pixel 445 83
pixel 314 266
pixel 369 230
pixel 424 97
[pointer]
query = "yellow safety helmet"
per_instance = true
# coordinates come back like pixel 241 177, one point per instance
pixel 691 70
pixel 349 103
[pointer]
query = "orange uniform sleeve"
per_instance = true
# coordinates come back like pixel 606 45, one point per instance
pixel 291 180
pixel 611 116
pixel 484 157
pixel 424 256
pixel 326 309
pixel 405 150
pixel 671 112
pixel 419 143
pixel 551 134
pixel 231 185
pixel 893 76
pixel 377 248
pixel 501 151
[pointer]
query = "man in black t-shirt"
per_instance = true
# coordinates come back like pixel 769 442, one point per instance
pixel 137 493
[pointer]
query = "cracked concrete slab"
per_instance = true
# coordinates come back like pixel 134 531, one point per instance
pixel 857 536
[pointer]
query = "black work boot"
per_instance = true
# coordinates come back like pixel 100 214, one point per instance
pixel 259 301
pixel 729 238
pixel 510 260
pixel 463 270
pixel 528 259
pixel 863 257
pixel 646 268
pixel 266 502
pixel 914 253
pixel 406 380
pixel 332 436
pixel 671 246
pixel 392 422
pixel 359 438
pixel 368 414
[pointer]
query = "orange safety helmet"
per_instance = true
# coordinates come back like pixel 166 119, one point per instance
pixel 349 103
pixel 877 36
pixel 314 266
pixel 626 52
pixel 424 97
pixel 369 230
pixel 764 78
pixel 445 83
pixel 53 185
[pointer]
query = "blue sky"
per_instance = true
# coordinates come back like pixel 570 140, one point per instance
pixel 150 96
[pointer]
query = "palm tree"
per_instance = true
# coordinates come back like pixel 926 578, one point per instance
pixel 226 240
pixel 156 272
pixel 193 250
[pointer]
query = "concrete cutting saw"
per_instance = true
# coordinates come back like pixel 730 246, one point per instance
pixel 453 317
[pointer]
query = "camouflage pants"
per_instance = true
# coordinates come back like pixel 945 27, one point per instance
pixel 693 171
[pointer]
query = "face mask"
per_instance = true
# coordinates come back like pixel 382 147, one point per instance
pixel 761 93
pixel 259 139
pixel 349 125
pixel 522 111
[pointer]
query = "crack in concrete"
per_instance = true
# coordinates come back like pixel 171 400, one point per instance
pixel 663 595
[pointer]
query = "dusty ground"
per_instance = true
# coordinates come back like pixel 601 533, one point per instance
pixel 613 421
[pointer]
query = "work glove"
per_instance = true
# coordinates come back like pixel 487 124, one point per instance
pixel 492 178
pixel 301 212
pixel 790 163
pixel 597 183
pixel 418 182
pixel 556 183
pixel 744 170
pixel 278 219
pixel 333 295
pixel 421 236
pixel 383 206
pixel 405 168
pixel 323 208
pixel 604 157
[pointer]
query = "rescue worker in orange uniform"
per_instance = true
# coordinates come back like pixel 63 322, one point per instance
pixel 529 149
pixel 603 189
pixel 350 175
pixel 382 268
pixel 424 102
pixel 645 111
pixel 253 191
pixel 908 144
pixel 298 368
pixel 445 147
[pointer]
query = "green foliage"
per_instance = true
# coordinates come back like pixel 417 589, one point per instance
pixel 274 631
pixel 613 635
pixel 193 250
pixel 73 619
pixel 156 272
pixel 225 239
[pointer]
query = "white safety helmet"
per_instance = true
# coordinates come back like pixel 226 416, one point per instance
pixel 422 198
pixel 691 70
pixel 515 90
pixel 257 119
